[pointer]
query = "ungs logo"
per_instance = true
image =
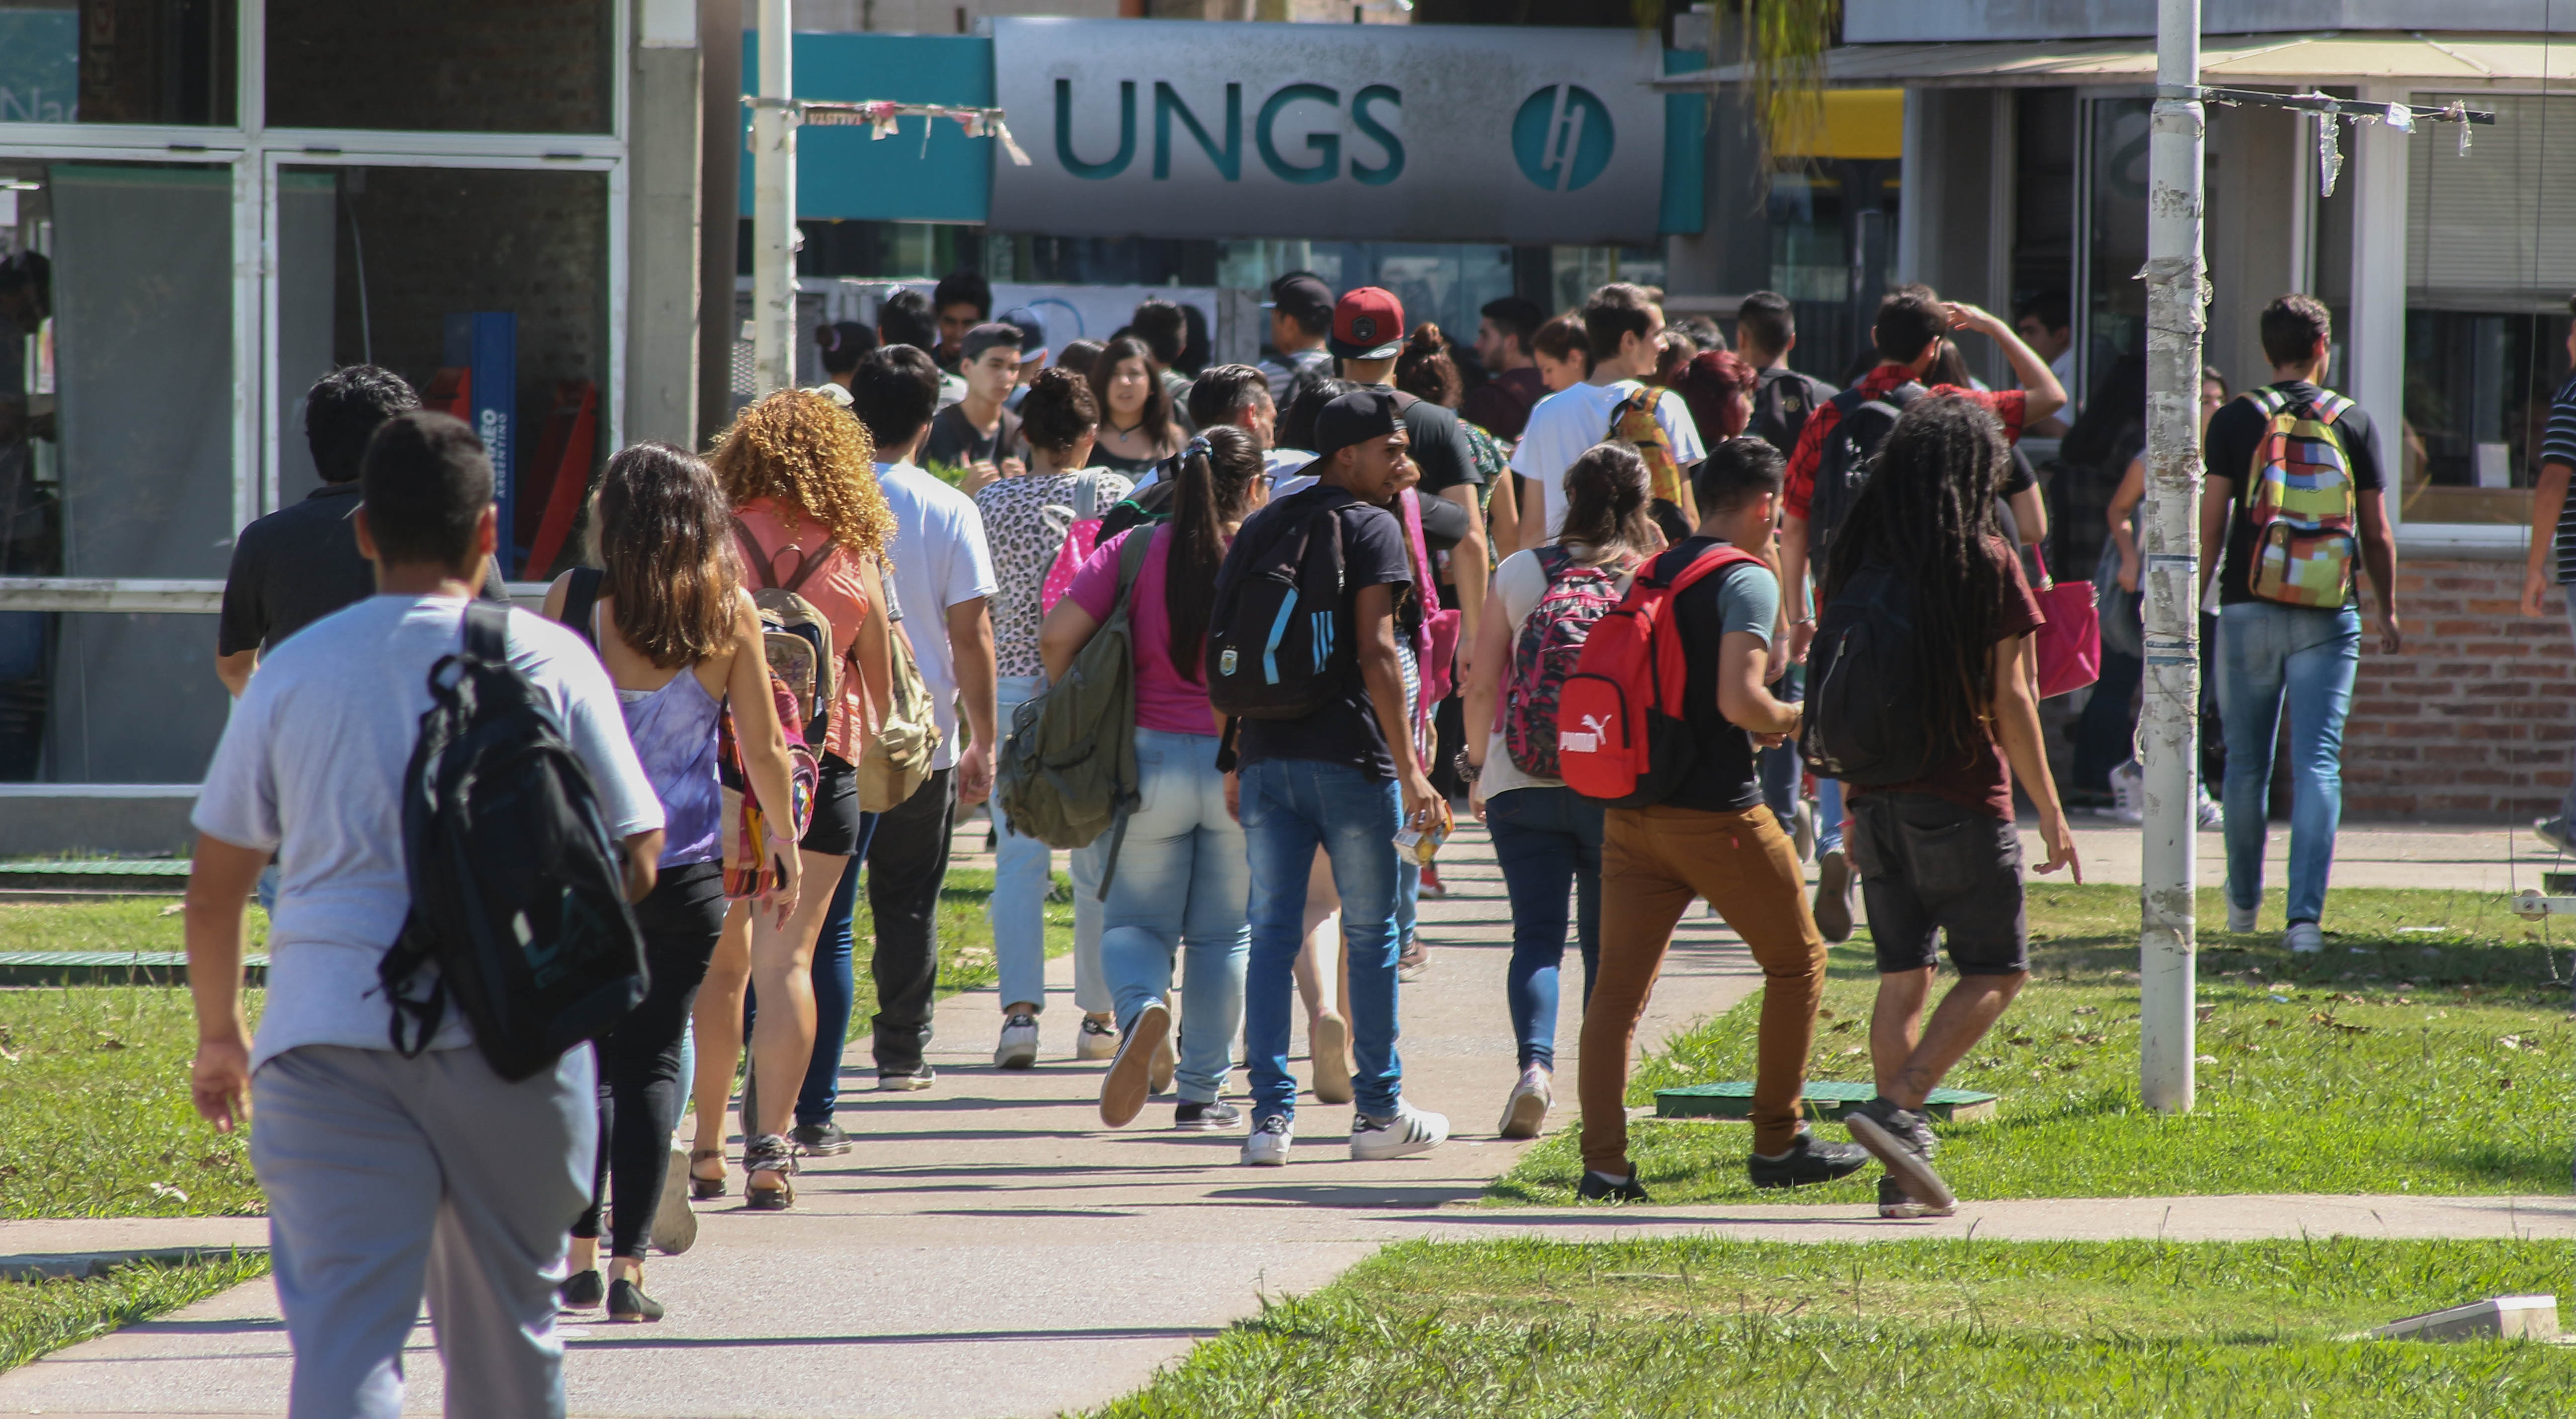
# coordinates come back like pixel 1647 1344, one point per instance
pixel 1562 137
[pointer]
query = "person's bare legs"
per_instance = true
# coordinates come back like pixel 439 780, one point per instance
pixel 717 1020
pixel 782 971
pixel 1910 1058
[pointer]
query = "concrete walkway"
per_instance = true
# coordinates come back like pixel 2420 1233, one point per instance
pixel 987 1249
pixel 2366 855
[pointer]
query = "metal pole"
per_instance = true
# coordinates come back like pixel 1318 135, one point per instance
pixel 773 206
pixel 2169 523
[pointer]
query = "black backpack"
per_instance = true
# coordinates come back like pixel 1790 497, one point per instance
pixel 518 895
pixel 1144 507
pixel 1271 651
pixel 1782 406
pixel 1850 452
pixel 1867 682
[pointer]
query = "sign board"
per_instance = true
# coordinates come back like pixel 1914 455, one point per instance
pixel 1181 128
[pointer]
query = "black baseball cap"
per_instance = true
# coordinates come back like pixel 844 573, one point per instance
pixel 1354 418
pixel 1302 294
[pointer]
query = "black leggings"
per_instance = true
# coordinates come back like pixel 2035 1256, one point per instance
pixel 639 1061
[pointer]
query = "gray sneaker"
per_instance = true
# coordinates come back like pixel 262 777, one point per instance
pixel 1901 1139
pixel 1894 1203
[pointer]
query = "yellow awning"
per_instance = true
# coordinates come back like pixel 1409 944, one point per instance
pixel 1857 123
pixel 2451 63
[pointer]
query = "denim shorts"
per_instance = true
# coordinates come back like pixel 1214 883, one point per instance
pixel 1933 872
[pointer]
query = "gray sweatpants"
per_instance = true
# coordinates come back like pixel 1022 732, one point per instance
pixel 389 1179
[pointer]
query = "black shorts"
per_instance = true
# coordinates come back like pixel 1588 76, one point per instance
pixel 835 829
pixel 1933 872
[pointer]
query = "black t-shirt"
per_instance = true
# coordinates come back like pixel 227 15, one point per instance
pixel 1722 778
pixel 2235 432
pixel 1345 730
pixel 1437 444
pixel 954 442
pixel 1781 406
pixel 298 565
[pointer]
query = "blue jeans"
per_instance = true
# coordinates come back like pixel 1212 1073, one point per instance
pixel 2268 654
pixel 1290 808
pixel 1780 766
pixel 1182 884
pixel 1022 869
pixel 834 990
pixel 1547 841
pixel 1829 816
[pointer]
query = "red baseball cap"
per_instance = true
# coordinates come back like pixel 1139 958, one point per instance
pixel 1368 324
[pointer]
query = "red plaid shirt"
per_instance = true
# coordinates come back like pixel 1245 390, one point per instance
pixel 2005 405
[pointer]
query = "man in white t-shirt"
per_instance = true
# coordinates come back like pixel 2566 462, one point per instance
pixel 943 572
pixel 389 1177
pixel 1622 324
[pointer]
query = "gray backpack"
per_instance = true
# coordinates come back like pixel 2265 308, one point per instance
pixel 1068 767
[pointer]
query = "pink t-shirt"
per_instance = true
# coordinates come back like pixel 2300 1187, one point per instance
pixel 1164 700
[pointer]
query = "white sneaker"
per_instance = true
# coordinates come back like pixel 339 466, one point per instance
pixel 1526 1109
pixel 2304 938
pixel 2240 919
pixel 1098 1040
pixel 2129 792
pixel 2212 817
pixel 1411 1131
pixel 1019 1046
pixel 1268 1145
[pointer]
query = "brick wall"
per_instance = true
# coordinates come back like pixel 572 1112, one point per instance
pixel 2472 722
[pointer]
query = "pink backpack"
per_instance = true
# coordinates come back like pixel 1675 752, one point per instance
pixel 1081 536
pixel 1549 646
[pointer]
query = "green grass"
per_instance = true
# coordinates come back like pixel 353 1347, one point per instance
pixel 2396 1061
pixel 1929 1328
pixel 41 1316
pixel 94 1112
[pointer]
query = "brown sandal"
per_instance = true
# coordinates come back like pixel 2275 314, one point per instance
pixel 768 1153
pixel 703 1188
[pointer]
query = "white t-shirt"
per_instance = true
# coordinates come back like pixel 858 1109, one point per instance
pixel 1518 584
pixel 1567 423
pixel 311 768
pixel 939 561
pixel 1276 463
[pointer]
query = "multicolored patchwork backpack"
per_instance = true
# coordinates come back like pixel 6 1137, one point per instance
pixel 1634 422
pixel 2300 502
pixel 1549 646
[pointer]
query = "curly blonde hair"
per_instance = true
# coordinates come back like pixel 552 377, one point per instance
pixel 810 457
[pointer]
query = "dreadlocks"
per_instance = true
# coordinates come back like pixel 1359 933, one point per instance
pixel 1927 514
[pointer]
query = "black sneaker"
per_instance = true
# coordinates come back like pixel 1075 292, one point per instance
pixel 906 1081
pixel 1894 1202
pixel 823 1140
pixel 581 1291
pixel 1901 1139
pixel 1809 1160
pixel 1596 1188
pixel 1216 1117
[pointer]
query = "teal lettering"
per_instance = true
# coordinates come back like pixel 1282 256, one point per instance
pixel 1327 147
pixel 1393 167
pixel 1228 160
pixel 1097 172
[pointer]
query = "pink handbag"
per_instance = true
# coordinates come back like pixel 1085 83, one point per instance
pixel 2069 646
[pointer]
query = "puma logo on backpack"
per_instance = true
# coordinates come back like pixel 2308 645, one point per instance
pixel 2300 502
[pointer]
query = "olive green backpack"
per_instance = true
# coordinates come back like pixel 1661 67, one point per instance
pixel 1068 767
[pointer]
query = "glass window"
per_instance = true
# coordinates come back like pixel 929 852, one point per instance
pixel 1833 220
pixel 486 288
pixel 461 66
pixel 2116 237
pixel 118 61
pixel 2478 384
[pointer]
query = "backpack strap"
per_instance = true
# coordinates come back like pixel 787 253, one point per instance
pixel 1709 563
pixel 755 562
pixel 581 597
pixel 765 566
pixel 811 563
pixel 487 634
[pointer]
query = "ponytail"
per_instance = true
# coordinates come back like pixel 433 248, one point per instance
pixel 1212 479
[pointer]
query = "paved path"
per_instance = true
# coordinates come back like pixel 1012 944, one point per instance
pixel 2366 855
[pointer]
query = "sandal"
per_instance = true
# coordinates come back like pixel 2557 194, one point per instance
pixel 769 1153
pixel 701 1187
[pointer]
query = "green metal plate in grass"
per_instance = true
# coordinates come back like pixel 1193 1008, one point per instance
pixel 110 968
pixel 96 867
pixel 1826 1099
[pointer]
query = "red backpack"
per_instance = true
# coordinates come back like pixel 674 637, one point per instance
pixel 1620 736
pixel 1547 651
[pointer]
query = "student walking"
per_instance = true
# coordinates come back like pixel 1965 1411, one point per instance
pixel 1699 829
pixel 1025 522
pixel 979 434
pixel 1182 881
pixel 1926 607
pixel 1623 326
pixel 2293 507
pixel 393 1176
pixel 1339 768
pixel 1137 425
pixel 1547 837
pixel 798 471
pixel 681 641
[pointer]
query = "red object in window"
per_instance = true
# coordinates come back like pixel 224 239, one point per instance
pixel 560 477
pixel 451 392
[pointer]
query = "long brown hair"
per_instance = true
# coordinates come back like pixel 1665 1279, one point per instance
pixel 663 532
pixel 1606 493
pixel 1212 487
pixel 809 456
pixel 1155 419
